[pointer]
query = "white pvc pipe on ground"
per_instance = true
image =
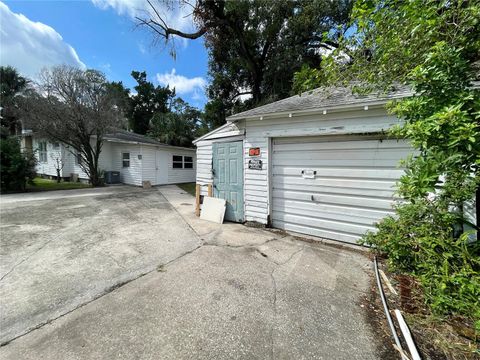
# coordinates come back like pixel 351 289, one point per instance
pixel 387 312
pixel 407 336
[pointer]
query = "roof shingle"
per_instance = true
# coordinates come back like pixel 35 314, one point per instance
pixel 322 98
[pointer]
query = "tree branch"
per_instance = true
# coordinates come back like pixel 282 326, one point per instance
pixel 240 93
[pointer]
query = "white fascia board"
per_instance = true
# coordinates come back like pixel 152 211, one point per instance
pixel 211 132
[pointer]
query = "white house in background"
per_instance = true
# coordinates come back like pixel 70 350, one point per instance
pixel 317 164
pixel 137 158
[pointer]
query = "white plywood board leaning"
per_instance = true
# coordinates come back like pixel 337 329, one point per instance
pixel 213 209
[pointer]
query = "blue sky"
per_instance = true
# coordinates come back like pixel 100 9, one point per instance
pixel 100 34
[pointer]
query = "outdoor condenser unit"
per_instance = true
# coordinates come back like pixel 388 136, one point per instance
pixel 112 177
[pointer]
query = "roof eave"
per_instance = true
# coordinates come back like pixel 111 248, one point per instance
pixel 166 146
pixel 376 103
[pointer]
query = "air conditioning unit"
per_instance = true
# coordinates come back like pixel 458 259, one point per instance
pixel 112 177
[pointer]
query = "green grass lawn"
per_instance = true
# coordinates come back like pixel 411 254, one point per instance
pixel 188 187
pixel 40 184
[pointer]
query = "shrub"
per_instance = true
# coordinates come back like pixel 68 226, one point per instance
pixel 17 168
pixel 421 240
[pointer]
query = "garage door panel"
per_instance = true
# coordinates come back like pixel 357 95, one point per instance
pixel 338 226
pixel 333 172
pixel 360 201
pixel 353 186
pixel 334 212
pixel 323 233
pixel 352 154
pixel 328 216
pixel 322 189
pixel 345 163
pixel 318 143
pixel 282 181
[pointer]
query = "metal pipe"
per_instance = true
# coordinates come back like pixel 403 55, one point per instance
pixel 385 308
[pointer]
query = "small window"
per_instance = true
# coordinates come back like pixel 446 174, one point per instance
pixel 177 162
pixel 188 162
pixel 78 159
pixel 56 145
pixel 42 151
pixel 125 160
pixel 182 162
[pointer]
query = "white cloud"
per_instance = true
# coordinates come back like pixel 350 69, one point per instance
pixel 176 14
pixel 182 84
pixel 29 46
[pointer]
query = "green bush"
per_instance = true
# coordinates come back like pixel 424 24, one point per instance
pixel 421 240
pixel 16 168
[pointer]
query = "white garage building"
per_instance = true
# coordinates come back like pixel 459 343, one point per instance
pixel 136 157
pixel 317 164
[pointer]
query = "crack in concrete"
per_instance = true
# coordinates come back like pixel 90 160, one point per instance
pixel 246 246
pixel 28 257
pixel 107 290
pixel 272 333
pixel 291 257
pixel 98 296
pixel 274 302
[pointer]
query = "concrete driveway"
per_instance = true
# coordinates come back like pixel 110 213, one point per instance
pixel 127 273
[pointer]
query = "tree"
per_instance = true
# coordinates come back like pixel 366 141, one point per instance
pixel 12 85
pixel 148 100
pixel 215 113
pixel 121 96
pixel 75 107
pixel 177 127
pixel 255 46
pixel 16 168
pixel 434 47
pixel 58 164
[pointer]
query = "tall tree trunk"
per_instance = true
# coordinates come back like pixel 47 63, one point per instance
pixel 477 211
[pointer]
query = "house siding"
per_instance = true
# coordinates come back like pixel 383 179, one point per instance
pixel 48 167
pixel 131 175
pixel 177 176
pixel 104 161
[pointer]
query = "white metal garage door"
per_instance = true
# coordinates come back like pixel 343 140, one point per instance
pixel 334 187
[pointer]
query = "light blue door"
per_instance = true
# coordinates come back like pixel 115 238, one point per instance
pixel 228 177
